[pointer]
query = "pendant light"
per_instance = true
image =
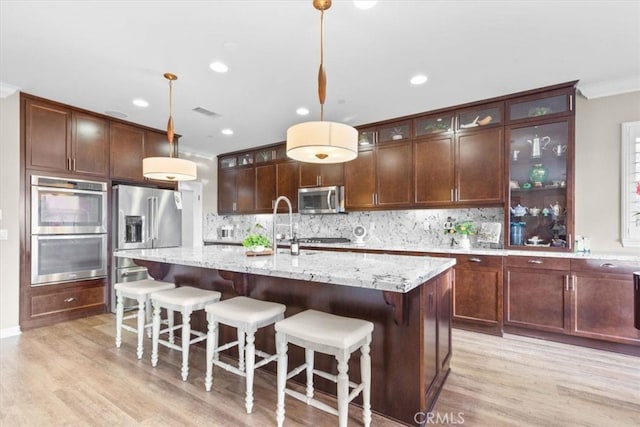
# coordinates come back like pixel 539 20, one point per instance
pixel 169 168
pixel 322 142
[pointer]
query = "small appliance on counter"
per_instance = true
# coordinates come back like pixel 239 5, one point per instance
pixel 226 232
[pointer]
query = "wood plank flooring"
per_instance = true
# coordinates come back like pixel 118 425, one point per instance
pixel 71 374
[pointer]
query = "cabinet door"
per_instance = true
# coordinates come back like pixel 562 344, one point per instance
pixel 429 332
pixel 360 181
pixel 47 135
pixel 393 165
pixel 90 144
pixel 245 185
pixel 480 167
pixel 477 293
pixel 603 307
pixel 287 184
pixel 265 188
pixel 156 144
pixel 226 191
pixel 309 174
pixel 127 151
pixel 433 171
pixel 444 319
pixel 537 299
pixel 314 174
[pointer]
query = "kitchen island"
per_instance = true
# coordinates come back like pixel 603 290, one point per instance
pixel 408 298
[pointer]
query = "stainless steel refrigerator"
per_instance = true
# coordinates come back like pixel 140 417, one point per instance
pixel 143 218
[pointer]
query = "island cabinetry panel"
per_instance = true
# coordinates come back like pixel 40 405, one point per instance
pixel 537 293
pixel 60 139
pixel 314 174
pixel 602 306
pixel 477 293
pixel 44 305
pixel 236 188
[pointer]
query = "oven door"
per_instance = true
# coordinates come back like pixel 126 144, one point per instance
pixel 65 211
pixel 57 259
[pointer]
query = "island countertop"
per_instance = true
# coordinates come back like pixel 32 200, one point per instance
pixel 394 273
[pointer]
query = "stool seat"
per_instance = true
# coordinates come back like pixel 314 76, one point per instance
pixel 330 334
pixel 140 290
pixel 326 329
pixel 186 300
pixel 247 315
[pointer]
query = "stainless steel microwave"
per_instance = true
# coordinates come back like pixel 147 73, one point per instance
pixel 321 200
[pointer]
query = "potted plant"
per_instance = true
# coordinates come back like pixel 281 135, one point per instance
pixel 255 241
pixel 465 229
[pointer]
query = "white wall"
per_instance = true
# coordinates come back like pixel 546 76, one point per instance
pixel 9 204
pixel 598 168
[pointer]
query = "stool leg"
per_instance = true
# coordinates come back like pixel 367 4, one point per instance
pixel 186 341
pixel 148 312
pixel 343 387
pixel 172 339
pixel 365 370
pixel 155 327
pixel 212 347
pixel 309 357
pixel 241 338
pixel 250 351
pixel 281 348
pixel 119 316
pixel 141 320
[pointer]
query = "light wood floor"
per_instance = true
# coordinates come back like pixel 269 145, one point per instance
pixel 71 374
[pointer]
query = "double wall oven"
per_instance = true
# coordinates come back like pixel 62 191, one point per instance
pixel 68 230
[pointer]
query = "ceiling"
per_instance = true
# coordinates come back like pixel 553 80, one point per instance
pixel 100 55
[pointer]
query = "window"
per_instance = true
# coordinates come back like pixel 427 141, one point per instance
pixel 630 184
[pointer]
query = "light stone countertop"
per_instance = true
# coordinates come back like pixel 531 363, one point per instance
pixel 395 273
pixel 605 256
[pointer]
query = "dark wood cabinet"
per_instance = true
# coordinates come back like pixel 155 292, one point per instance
pixel 434 171
pixel 62 140
pixel 477 293
pixel 429 333
pixel 445 288
pixel 265 185
pixel 314 174
pixel 379 177
pixel 537 293
pixel 236 190
pixel 287 184
pixel 127 152
pixel 602 305
pixel 156 144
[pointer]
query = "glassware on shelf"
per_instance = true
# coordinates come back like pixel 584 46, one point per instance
pixel 517 233
pixel 538 174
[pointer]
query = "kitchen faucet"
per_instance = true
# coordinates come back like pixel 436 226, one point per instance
pixel 275 211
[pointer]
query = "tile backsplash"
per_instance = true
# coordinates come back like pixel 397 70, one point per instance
pixel 398 227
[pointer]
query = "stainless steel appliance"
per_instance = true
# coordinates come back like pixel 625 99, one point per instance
pixel 68 230
pixel 142 218
pixel 321 200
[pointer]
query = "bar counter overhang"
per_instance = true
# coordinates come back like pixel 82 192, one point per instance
pixel 408 298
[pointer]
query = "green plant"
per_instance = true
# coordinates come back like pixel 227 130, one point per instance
pixel 255 238
pixel 465 228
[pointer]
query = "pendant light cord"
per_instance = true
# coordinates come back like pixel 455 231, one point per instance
pixel 322 77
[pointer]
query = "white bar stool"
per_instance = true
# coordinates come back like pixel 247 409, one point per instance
pixel 186 300
pixel 140 290
pixel 247 315
pixel 329 334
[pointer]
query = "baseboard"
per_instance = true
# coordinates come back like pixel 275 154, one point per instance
pixel 9 332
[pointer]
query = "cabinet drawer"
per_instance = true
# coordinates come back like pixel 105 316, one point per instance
pixel 543 263
pixel 478 261
pixel 66 300
pixel 604 266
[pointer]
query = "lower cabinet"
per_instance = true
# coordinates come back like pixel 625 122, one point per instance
pixel 477 293
pixel 45 305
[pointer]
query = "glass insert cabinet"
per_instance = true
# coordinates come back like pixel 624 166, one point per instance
pixel 540 134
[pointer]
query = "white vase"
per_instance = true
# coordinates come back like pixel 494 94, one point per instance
pixel 258 248
pixel 464 242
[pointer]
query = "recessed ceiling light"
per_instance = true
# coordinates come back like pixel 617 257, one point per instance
pixel 219 67
pixel 302 111
pixel 139 102
pixel 227 131
pixel 418 79
pixel 364 5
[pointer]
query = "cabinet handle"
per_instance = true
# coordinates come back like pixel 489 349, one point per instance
pixel 74 163
pixel 573 283
pixel 234 206
pixel 534 261
pixel 451 197
pixel 566 283
pixel 70 299
pixel 68 163
pixel 373 198
pixel 475 260
pixel 457 196
pixel 608 265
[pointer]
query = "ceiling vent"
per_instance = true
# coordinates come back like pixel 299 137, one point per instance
pixel 206 112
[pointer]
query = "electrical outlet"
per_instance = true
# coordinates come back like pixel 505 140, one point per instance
pixel 4 234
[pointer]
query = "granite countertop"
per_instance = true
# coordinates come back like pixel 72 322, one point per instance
pixel 395 273
pixel 608 256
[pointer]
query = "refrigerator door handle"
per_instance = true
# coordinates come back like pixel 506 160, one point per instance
pixel 121 230
pixel 152 219
pixel 156 224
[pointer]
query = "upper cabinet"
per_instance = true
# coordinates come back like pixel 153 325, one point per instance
pixel 314 174
pixel 540 157
pixel 127 152
pixel 462 167
pixel 62 140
